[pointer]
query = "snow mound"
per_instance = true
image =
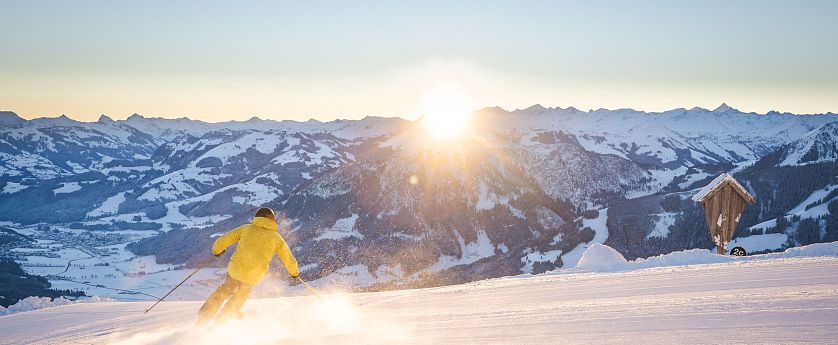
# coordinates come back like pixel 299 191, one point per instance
pixel 34 303
pixel 682 258
pixel 817 249
pixel 602 258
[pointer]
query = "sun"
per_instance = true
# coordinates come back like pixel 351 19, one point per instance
pixel 447 113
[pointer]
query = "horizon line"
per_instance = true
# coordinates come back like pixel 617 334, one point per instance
pixel 723 106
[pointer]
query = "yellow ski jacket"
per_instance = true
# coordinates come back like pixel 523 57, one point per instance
pixel 258 241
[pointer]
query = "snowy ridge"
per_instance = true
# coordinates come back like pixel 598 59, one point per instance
pixel 736 136
pixel 818 146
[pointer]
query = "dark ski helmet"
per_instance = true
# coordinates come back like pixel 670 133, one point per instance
pixel 265 212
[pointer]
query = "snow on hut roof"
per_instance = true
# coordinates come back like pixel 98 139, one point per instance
pixel 719 182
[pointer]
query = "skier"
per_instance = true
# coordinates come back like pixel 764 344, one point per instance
pixel 257 243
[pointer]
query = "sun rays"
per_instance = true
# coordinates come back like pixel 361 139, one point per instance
pixel 446 114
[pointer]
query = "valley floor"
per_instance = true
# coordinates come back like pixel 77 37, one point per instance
pixel 787 300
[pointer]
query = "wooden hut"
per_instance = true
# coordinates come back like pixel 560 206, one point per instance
pixel 723 200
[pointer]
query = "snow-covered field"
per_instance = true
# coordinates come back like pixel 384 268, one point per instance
pixel 777 298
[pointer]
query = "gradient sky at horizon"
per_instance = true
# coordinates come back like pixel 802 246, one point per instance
pixel 217 60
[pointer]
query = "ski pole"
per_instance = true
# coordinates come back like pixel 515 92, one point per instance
pixel 173 289
pixel 310 288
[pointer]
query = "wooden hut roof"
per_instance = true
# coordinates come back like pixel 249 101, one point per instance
pixel 717 184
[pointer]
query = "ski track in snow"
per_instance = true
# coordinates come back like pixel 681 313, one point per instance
pixel 790 300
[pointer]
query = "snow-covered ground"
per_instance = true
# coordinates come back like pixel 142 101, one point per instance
pixel 784 298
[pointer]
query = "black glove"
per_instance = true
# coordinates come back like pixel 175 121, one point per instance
pixel 220 254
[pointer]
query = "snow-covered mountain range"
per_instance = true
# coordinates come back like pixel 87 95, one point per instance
pixel 374 203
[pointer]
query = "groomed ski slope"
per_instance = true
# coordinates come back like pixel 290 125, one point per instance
pixel 772 299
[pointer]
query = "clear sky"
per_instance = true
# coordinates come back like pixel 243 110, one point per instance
pixel 226 60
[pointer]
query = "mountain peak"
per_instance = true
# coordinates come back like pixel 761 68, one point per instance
pixel 135 117
pixel 10 118
pixel 104 119
pixel 63 120
pixel 723 108
pixel 494 109
pixel 532 110
pixel 536 107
